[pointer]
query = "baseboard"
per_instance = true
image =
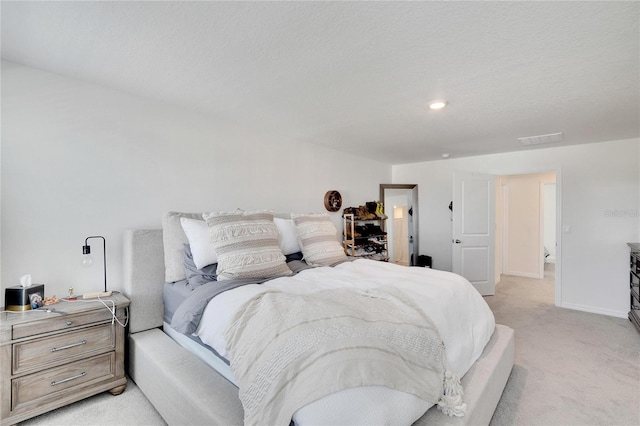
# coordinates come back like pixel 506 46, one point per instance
pixel 523 274
pixel 594 310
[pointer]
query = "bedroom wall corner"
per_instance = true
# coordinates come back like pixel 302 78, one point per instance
pixel 80 159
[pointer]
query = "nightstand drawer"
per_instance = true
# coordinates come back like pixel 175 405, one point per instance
pixel 62 322
pixel 44 386
pixel 62 348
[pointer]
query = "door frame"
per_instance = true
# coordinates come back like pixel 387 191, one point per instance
pixel 557 169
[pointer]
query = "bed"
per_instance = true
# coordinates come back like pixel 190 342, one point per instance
pixel 187 385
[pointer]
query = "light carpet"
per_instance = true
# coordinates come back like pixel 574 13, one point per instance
pixel 104 409
pixel 571 368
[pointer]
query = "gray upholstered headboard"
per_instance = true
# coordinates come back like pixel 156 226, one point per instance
pixel 144 275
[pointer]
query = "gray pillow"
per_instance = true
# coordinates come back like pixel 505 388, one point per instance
pixel 197 277
pixel 246 243
pixel 318 238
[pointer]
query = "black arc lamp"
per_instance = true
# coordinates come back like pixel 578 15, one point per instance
pixel 87 259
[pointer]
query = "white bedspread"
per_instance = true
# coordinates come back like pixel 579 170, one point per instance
pixel 463 318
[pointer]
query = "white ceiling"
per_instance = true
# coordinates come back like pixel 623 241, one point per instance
pixel 357 76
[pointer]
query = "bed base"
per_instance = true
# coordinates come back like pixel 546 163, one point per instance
pixel 184 390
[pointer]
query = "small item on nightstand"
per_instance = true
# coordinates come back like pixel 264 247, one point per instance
pixel 96 294
pixel 71 295
pixel 24 298
pixel 50 300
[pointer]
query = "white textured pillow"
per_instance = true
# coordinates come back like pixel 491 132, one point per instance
pixel 318 239
pixel 174 239
pixel 202 250
pixel 287 237
pixel 246 244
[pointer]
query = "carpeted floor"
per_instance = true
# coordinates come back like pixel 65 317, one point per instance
pixel 129 408
pixel 571 368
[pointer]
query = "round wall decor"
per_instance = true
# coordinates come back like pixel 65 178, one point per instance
pixel 332 201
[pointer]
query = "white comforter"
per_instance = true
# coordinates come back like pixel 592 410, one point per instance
pixel 463 318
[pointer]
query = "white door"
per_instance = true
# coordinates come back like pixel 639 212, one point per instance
pixel 474 229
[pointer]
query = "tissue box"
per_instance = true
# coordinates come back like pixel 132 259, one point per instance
pixel 20 298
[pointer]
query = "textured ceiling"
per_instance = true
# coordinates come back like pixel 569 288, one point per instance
pixel 357 76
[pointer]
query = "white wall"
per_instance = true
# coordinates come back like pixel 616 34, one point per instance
pixel 595 182
pixel 80 160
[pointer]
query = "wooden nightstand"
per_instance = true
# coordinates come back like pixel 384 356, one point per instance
pixel 51 359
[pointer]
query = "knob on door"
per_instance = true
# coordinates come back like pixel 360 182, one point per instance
pixel 457 241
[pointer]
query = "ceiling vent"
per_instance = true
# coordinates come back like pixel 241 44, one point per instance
pixel 537 140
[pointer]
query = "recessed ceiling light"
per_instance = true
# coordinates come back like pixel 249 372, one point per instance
pixel 438 104
pixel 445 155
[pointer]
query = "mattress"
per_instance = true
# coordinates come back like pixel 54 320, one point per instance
pixel 463 318
pixel 182 395
pixel 434 288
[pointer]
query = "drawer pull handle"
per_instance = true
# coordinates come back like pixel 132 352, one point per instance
pixel 73 345
pixel 68 379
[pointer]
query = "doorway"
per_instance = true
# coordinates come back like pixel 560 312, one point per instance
pixel 526 224
pixel 401 207
pixel 501 243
